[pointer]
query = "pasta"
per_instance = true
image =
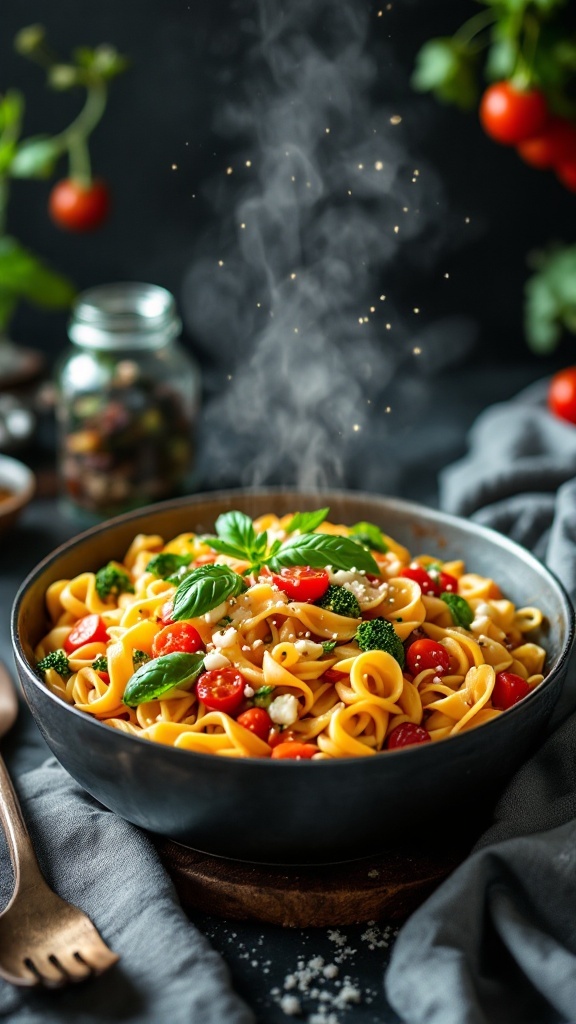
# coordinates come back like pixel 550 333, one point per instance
pixel 287 637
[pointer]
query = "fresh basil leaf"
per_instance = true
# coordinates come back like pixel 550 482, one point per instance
pixel 321 549
pixel 156 678
pixel 263 696
pixel 307 522
pixel 370 535
pixel 35 158
pixel 223 547
pixel 328 645
pixel 205 588
pixel 236 528
pixel 460 610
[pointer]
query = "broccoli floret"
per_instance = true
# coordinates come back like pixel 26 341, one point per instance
pixel 460 610
pixel 111 580
pixel 380 635
pixel 100 664
pixel 58 661
pixel 139 657
pixel 166 563
pixel 341 601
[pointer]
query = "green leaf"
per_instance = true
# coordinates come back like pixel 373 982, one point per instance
pixel 550 298
pixel 447 68
pixel 307 522
pixel 25 276
pixel 460 610
pixel 157 677
pixel 205 588
pixel 321 549
pixel 11 112
pixel 8 303
pixel 224 548
pixel 263 696
pixel 236 529
pixel 370 535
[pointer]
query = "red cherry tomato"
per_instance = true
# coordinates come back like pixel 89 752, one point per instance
pixel 566 173
pixel 448 583
pixel 302 582
pixel 509 115
pixel 555 143
pixel 104 677
pixel 165 613
pixel 178 636
pixel 509 688
pixel 427 585
pixel 205 559
pixel 406 735
pixel 427 654
pixel 277 736
pixel 257 720
pixel 88 630
pixel 221 689
pixel 562 394
pixel 331 675
pixel 297 751
pixel 77 207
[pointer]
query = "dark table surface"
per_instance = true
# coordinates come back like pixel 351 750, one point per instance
pixel 261 957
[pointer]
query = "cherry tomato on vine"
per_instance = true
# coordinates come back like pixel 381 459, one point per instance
pixel 419 575
pixel 221 689
pixel 294 750
pixel 562 394
pixel 178 636
pixel 77 207
pixel 554 144
pixel 566 173
pixel 88 630
pixel 509 688
pixel 257 720
pixel 406 735
pixel 510 115
pixel 427 653
pixel 302 582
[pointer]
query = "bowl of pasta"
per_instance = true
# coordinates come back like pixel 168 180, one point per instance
pixel 282 677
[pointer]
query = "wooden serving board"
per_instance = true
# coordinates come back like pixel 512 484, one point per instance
pixel 389 886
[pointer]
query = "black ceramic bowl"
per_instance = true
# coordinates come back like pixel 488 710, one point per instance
pixel 295 811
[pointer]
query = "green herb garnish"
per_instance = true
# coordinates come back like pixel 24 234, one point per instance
pixel 460 610
pixel 156 678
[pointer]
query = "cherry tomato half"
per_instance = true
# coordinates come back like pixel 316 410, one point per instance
pixel 88 630
pixel 257 720
pixel 77 207
pixel 221 689
pixel 427 585
pixel 509 688
pixel 277 735
pixel 562 394
pixel 297 751
pixel 566 173
pixel 302 582
pixel 406 735
pixel 509 115
pixel 555 143
pixel 178 636
pixel 427 654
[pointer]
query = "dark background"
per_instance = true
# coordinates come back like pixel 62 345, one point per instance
pixel 186 59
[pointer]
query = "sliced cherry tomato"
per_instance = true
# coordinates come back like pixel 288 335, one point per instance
pixel 562 394
pixel 297 751
pixel 78 207
pixel 178 636
pixel 427 585
pixel 566 173
pixel 257 720
pixel 331 675
pixel 165 613
pixel 205 559
pixel 555 143
pixel 427 653
pixel 277 736
pixel 104 677
pixel 509 115
pixel 406 735
pixel 88 630
pixel 509 688
pixel 221 689
pixel 302 582
pixel 448 583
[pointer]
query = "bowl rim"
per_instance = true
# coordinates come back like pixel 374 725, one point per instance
pixel 24 492
pixel 401 505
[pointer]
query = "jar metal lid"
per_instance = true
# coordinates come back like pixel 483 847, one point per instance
pixel 126 314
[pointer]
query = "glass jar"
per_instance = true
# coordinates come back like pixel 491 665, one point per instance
pixel 128 401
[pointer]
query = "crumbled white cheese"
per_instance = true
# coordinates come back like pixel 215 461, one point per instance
pixel 225 637
pixel 290 1005
pixel 215 614
pixel 309 649
pixel 364 591
pixel 284 709
pixel 215 659
pixel 248 690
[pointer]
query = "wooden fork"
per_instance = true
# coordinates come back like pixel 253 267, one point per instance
pixel 43 939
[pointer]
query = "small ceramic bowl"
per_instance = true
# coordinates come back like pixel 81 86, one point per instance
pixel 17 485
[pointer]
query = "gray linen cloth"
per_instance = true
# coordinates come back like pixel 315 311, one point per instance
pixel 496 943
pixel 168 972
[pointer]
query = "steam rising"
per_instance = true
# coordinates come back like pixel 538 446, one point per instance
pixel 288 299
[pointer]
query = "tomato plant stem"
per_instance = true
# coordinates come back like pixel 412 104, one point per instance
pixel 74 137
pixel 471 28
